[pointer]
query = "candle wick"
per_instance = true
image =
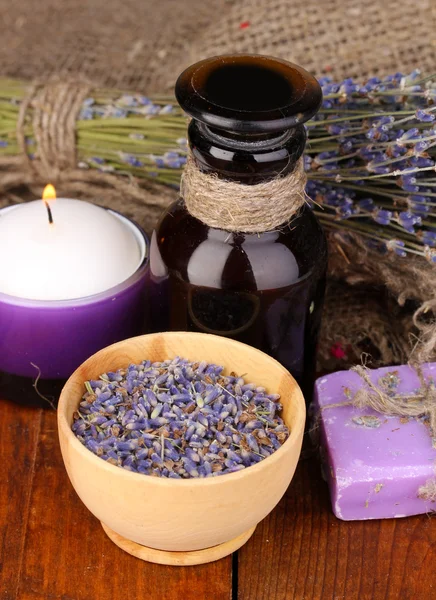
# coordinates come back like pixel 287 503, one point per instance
pixel 50 216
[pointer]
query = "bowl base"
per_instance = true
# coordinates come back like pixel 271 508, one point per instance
pixel 180 559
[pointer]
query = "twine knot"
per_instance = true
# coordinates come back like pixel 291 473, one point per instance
pixel 232 206
pixel 54 107
pixel 382 399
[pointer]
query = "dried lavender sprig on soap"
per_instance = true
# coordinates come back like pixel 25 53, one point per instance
pixel 178 419
pixel 370 157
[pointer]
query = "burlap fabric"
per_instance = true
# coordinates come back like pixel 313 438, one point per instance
pixel 143 45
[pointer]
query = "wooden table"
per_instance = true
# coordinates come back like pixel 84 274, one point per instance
pixel 52 548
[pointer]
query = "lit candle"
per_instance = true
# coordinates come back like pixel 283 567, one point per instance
pixel 67 249
pixel 73 279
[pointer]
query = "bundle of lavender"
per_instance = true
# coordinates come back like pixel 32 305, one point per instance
pixel 370 159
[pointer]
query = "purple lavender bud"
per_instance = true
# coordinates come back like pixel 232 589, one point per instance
pixel 234 456
pixel 381 216
pixel 172 454
pixel 207 468
pixel 408 183
pixel 181 398
pixel 251 440
pixel 203 420
pixel 230 463
pixel 156 411
pixel 201 430
pixel 246 457
pixel 169 415
pixel 143 469
pixel 129 461
pixel 79 425
pixel 201 367
pixel 98 420
pixel 142 454
pixel 274 440
pixel 421 162
pixel 190 467
pixel 265 451
pixel 161 379
pixel 254 424
pixel 235 468
pixel 189 432
pixel 421 147
pixel 108 442
pixel 429 238
pixel 221 438
pixel 195 445
pixel 192 455
pixel 408 220
pixel 124 446
pixel 424 116
pixel 151 397
pixel 92 445
pixel 211 396
pixel 158 422
pixel 419 208
pixel 408 135
pixel 136 425
pixel 214 448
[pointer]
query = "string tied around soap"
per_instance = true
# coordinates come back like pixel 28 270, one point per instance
pixel 382 399
pixel 237 207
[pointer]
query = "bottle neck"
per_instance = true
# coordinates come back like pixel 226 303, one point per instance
pixel 245 158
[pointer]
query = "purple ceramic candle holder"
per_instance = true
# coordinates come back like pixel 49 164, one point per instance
pixel 43 341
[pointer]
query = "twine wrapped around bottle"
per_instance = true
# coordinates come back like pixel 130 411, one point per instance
pixel 243 208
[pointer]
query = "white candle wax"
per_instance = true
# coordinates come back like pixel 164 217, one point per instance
pixel 86 250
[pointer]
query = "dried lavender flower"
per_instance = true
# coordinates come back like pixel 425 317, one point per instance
pixel 178 419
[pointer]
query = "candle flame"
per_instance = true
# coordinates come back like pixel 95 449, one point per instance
pixel 49 192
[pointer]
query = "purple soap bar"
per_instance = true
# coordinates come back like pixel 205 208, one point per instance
pixel 375 464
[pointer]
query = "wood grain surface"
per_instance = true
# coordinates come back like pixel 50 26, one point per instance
pixel 52 548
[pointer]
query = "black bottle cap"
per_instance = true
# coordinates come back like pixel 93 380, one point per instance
pixel 248 93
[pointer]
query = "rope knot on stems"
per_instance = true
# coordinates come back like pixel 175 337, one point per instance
pixel 52 108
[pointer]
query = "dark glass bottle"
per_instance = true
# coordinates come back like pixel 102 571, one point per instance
pixel 265 289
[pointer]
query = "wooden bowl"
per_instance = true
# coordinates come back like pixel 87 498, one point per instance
pixel 188 521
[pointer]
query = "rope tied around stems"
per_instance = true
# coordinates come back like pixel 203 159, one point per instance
pixel 52 108
pixel 55 107
pixel 233 206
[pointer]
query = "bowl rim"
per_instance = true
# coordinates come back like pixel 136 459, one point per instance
pixel 65 429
